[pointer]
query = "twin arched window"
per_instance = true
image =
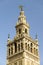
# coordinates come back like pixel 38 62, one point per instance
pixel 29 48
pixel 11 50
pixel 20 46
pixel 20 31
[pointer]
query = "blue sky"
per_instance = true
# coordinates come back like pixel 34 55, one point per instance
pixel 9 12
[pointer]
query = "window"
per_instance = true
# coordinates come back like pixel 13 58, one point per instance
pixel 26 46
pixel 31 46
pixel 34 51
pixel 15 63
pixel 31 49
pixel 26 31
pixel 11 50
pixel 21 46
pixel 19 31
pixel 15 47
pixel 18 47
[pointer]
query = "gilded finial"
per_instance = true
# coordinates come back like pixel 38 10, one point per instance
pixel 21 7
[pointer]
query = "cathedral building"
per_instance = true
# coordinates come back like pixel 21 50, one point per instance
pixel 22 50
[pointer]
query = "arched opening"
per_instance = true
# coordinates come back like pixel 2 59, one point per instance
pixel 21 46
pixel 11 50
pixel 26 31
pixel 31 47
pixel 31 50
pixel 18 47
pixel 26 46
pixel 15 47
pixel 19 31
pixel 31 44
pixel 34 51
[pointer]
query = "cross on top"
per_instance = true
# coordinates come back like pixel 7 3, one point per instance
pixel 21 7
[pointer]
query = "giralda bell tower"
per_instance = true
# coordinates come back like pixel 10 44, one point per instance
pixel 22 50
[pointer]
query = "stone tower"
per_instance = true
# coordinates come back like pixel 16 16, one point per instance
pixel 22 50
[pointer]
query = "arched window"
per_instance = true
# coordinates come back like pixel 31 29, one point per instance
pixel 15 47
pixel 31 46
pixel 34 51
pixel 21 46
pixel 31 50
pixel 11 50
pixel 26 46
pixel 26 31
pixel 19 31
pixel 18 47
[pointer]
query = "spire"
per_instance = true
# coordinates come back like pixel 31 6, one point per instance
pixel 22 17
pixel 21 7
